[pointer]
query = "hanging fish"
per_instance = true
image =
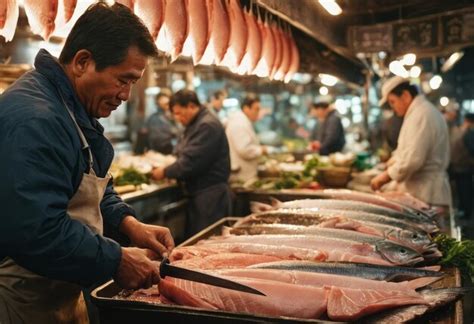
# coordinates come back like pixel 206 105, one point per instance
pixel 198 36
pixel 295 61
pixel 238 36
pixel 152 14
pixel 254 45
pixel 8 18
pixel 219 26
pixel 278 50
pixel 286 60
pixel 175 28
pixel 267 58
pixel 41 16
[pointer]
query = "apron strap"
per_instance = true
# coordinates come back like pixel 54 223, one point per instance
pixel 85 144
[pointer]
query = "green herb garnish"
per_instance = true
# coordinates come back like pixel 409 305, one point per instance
pixel 130 176
pixel 457 253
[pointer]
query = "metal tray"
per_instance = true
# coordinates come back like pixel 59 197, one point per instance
pixel 115 311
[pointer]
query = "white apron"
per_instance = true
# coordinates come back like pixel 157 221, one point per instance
pixel 26 297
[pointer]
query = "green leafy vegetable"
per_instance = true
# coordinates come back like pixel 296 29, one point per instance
pixel 130 176
pixel 457 253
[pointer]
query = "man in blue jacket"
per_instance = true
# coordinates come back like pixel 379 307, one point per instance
pixel 203 163
pixel 55 193
pixel 328 135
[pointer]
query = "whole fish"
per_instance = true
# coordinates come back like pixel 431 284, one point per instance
pixel 427 248
pixel 152 14
pixel 337 249
pixel 265 64
pixel 254 45
pixel 238 36
pixel 286 60
pixel 295 61
pixel 8 18
pixel 198 36
pixel 346 194
pixel 352 205
pixel 435 298
pixel 174 30
pixel 361 270
pixel 41 16
pixel 278 50
pixel 219 32
pixel 313 216
pixel 421 244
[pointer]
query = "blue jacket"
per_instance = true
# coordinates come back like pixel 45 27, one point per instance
pixel 41 167
pixel 162 132
pixel 330 133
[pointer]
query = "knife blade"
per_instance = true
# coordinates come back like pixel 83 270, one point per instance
pixel 166 269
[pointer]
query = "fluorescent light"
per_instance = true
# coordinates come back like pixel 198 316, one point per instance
pixel 444 101
pixel 397 68
pixel 435 82
pixel 452 59
pixel 408 59
pixel 327 79
pixel 415 71
pixel 323 91
pixel 331 6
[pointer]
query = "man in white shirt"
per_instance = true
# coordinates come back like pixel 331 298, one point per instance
pixel 245 148
pixel 422 156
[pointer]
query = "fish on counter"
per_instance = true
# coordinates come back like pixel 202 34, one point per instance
pixel 315 294
pixel 421 244
pixel 41 16
pixel 8 18
pixel 377 252
pixel 352 206
pixel 282 252
pixel 361 270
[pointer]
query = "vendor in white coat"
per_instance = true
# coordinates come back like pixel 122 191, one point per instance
pixel 422 156
pixel 245 148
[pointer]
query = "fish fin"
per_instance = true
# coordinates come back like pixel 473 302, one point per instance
pixel 431 268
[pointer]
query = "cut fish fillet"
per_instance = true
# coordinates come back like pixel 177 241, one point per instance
pixel 41 16
pixel 8 18
pixel 152 14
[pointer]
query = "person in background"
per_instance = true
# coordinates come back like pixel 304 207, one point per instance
pixel 56 195
pixel 328 135
pixel 216 104
pixel 245 148
pixel 451 115
pixel 391 131
pixel 162 130
pixel 419 164
pixel 202 165
pixel 462 163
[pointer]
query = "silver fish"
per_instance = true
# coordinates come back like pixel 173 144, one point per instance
pixel 361 270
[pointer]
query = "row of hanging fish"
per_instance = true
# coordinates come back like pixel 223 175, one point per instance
pixel 220 32
pixel 44 16
pixel 349 256
pixel 210 31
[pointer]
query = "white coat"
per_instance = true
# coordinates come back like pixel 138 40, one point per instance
pixel 422 154
pixel 245 148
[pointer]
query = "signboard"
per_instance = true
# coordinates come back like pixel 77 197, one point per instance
pixel 371 38
pixel 422 34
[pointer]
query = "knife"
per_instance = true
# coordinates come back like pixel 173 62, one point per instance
pixel 166 269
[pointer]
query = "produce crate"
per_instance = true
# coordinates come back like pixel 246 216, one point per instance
pixel 113 310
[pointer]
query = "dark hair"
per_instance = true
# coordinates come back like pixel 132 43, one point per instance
pixel 412 89
pixel 218 94
pixel 183 98
pixel 161 94
pixel 320 105
pixel 249 101
pixel 107 32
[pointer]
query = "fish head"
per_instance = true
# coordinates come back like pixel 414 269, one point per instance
pixel 415 238
pixel 398 254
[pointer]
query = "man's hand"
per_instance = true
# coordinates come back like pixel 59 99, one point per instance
pixel 314 146
pixel 137 269
pixel 153 237
pixel 377 182
pixel 158 174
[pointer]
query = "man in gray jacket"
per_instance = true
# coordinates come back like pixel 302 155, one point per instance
pixel 328 135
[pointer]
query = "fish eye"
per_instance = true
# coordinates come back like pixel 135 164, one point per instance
pixel 403 251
